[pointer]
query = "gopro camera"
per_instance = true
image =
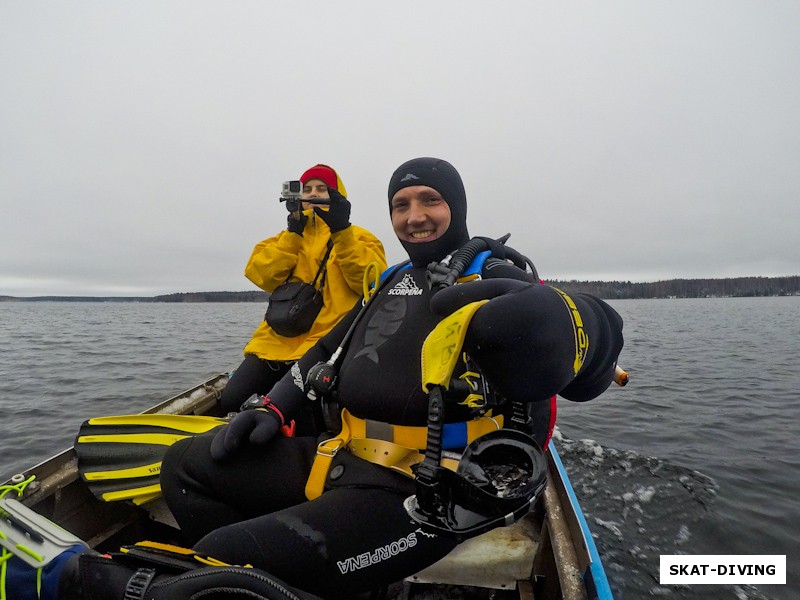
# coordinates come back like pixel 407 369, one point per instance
pixel 292 193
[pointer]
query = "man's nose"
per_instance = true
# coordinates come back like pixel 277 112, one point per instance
pixel 416 213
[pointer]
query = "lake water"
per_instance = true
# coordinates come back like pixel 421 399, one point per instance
pixel 697 455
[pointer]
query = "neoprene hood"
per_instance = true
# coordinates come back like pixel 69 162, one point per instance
pixel 443 177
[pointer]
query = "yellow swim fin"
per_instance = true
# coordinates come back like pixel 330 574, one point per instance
pixel 119 457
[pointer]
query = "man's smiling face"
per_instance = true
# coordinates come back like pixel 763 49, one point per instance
pixel 419 214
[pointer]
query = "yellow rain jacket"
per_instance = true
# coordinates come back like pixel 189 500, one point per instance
pixel 275 258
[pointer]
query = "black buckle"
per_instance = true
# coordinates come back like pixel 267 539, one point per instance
pixel 138 584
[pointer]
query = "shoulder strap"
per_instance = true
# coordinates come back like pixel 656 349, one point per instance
pixel 323 266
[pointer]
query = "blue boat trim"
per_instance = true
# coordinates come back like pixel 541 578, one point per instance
pixel 596 574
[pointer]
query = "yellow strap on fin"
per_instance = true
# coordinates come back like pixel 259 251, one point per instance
pixel 148 492
pixel 184 423
pixel 132 473
pixel 166 548
pixel 442 348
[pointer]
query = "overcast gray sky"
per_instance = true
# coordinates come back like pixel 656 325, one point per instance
pixel 143 143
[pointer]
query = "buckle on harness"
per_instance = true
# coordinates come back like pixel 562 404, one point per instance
pixel 323 450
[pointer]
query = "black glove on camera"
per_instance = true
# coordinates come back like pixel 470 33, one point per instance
pixel 295 224
pixel 338 216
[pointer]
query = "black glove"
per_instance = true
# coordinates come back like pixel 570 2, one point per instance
pixel 296 222
pixel 338 216
pixel 523 339
pixel 257 426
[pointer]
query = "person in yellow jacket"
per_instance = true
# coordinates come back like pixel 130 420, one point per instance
pixel 297 253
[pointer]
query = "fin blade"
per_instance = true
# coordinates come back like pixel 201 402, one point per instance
pixel 130 473
pixel 119 457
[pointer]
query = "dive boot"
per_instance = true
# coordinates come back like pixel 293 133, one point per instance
pixel 150 571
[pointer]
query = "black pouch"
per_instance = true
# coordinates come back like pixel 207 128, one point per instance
pixel 294 305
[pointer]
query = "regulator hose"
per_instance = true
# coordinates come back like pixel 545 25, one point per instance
pixel 446 272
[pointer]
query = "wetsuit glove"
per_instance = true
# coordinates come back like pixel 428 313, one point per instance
pixel 257 427
pixel 531 340
pixel 338 215
pixel 296 222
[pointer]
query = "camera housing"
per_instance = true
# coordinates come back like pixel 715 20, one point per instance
pixel 292 189
pixel 292 193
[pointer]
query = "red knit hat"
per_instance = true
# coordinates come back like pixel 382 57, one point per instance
pixel 322 172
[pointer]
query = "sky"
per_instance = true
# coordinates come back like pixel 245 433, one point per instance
pixel 143 143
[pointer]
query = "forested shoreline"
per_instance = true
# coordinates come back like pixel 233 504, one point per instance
pixel 737 287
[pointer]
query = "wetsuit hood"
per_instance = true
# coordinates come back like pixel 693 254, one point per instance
pixel 443 177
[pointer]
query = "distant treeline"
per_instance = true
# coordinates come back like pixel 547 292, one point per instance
pixel 257 296
pixel 673 288
pixel 686 288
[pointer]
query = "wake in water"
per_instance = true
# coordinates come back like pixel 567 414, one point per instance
pixel 638 508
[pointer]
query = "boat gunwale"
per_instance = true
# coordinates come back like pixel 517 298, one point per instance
pixel 58 493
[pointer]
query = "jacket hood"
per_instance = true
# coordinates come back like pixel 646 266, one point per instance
pixel 327 174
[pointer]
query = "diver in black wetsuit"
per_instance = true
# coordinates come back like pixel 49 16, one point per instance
pixel 242 495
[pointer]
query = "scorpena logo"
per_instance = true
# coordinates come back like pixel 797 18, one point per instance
pixel 379 554
pixel 297 376
pixel 407 287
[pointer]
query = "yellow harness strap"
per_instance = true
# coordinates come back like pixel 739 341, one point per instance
pixel 368 439
pixel 387 454
pixel 398 450
pixel 442 347
pixel 322 461
pixel 411 436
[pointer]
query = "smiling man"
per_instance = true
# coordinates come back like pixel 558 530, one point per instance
pixel 419 214
pixel 428 205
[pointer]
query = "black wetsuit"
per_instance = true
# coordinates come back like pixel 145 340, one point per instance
pixel 251 509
